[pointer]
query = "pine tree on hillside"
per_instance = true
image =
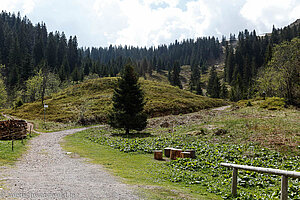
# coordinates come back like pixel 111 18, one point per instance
pixel 128 103
pixel 198 88
pixel 213 86
pixel 195 76
pixel 224 91
pixel 175 80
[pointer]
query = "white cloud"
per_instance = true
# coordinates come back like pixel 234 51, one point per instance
pixel 265 14
pixel 25 7
pixel 28 6
pixel 154 22
pixel 147 26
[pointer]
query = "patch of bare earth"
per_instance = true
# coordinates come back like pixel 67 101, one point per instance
pixel 171 121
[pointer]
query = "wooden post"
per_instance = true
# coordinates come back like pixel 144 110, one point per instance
pixel 158 154
pixel 12 144
pixel 167 151
pixel 234 182
pixel 284 187
pixel 283 173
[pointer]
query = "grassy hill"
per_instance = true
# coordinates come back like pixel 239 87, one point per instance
pixel 90 101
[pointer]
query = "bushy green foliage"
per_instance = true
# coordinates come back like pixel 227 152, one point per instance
pixel 205 170
pixel 281 77
pixel 273 103
pixel 34 86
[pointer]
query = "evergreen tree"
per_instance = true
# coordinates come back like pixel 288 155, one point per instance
pixel 195 76
pixel 3 93
pixel 224 91
pixel 198 88
pixel 175 77
pixel 213 86
pixel 128 103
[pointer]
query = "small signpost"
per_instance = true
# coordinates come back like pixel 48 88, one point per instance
pixel 45 106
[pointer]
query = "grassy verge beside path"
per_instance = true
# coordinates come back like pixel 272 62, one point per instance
pixel 134 168
pixel 7 156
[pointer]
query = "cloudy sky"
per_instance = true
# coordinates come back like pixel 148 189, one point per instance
pixel 153 22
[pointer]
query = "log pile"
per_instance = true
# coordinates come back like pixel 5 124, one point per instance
pixel 13 129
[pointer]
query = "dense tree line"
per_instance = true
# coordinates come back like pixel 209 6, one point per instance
pixel 109 61
pixel 25 50
pixel 28 50
pixel 251 55
pixel 29 56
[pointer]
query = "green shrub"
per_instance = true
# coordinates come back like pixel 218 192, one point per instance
pixel 273 103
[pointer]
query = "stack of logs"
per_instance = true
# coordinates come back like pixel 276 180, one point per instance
pixel 174 153
pixel 13 129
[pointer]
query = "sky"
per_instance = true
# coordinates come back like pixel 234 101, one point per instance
pixel 99 23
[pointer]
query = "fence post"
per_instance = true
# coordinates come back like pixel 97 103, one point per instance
pixel 284 187
pixel 234 182
pixel 12 144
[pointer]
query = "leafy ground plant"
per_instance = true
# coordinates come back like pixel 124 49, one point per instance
pixel 253 136
pixel 206 170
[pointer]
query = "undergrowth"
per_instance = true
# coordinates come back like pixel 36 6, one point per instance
pixel 205 170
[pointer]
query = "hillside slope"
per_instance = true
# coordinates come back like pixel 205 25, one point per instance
pixel 90 101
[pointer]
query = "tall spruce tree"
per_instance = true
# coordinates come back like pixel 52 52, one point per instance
pixel 213 86
pixel 128 103
pixel 175 80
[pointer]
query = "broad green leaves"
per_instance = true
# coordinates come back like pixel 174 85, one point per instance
pixel 205 170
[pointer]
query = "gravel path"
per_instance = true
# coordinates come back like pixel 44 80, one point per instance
pixel 47 172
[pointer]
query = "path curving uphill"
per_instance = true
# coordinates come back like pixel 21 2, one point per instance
pixel 47 172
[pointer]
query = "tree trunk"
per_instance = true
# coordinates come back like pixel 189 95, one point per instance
pixel 127 131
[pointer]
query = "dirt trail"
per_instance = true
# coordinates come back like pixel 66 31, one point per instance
pixel 47 172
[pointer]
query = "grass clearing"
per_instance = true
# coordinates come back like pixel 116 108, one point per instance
pixel 140 170
pixel 90 102
pixel 253 136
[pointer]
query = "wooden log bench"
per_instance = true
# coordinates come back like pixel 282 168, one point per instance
pixel 283 173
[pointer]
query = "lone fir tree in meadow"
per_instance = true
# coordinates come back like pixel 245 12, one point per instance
pixel 128 103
